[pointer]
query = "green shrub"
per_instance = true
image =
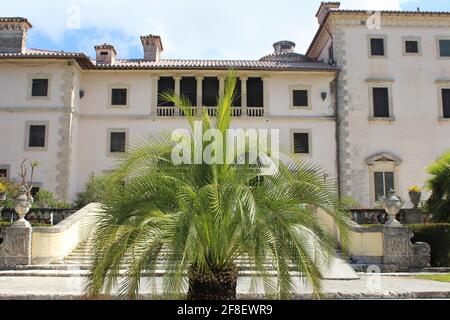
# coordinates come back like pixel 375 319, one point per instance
pixel 438 205
pixel 46 199
pixel 438 237
pixel 96 190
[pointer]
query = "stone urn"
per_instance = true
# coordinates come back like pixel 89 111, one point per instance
pixel 392 206
pixel 22 205
pixel 415 198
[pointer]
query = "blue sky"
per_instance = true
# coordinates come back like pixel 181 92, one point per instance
pixel 196 29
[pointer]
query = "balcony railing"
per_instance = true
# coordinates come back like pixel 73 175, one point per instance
pixel 166 111
pixel 212 111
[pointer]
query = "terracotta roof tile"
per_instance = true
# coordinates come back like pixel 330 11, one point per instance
pixel 168 64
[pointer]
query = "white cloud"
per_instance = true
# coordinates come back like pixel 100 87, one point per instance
pixel 190 29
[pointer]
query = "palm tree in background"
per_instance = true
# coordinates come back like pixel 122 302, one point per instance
pixel 193 221
pixel 438 205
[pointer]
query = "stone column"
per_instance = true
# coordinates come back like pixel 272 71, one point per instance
pixel 15 249
pixel 266 92
pixel 199 94
pixel 244 95
pixel 177 84
pixel 177 91
pixel 154 106
pixel 221 85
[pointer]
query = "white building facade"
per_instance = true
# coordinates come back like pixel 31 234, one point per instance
pixel 371 114
pixel 393 95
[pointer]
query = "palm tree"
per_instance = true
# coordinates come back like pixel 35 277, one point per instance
pixel 194 221
pixel 438 204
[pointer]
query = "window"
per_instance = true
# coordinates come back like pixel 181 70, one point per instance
pixel 411 46
pixel 210 91
pixel 117 141
pixel 384 183
pixel 255 92
pixel 300 98
pixel 383 174
pixel 188 88
pixel 380 102
pixel 165 84
pixel 377 47
pixel 39 88
pixel 36 135
pixel 104 53
pixel 119 97
pixel 34 191
pixel 4 172
pixel 444 48
pixel 301 142
pixel 446 103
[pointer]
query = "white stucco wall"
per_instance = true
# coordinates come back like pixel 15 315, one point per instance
pixel 15 85
pixel 416 136
pixel 13 151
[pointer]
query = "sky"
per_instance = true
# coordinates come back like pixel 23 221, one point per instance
pixel 190 29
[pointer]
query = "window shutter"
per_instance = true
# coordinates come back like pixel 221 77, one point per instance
pixel 300 98
pixel 37 136
pixel 39 88
pixel 165 84
pixel 117 142
pixel 301 142
pixel 446 103
pixel 188 88
pixel 381 102
pixel 119 97
pixel 411 46
pixel 389 182
pixel 377 46
pixel 444 48
pixel 255 92
pixel 210 91
pixel 379 185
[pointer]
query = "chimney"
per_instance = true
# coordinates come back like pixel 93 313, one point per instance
pixel 13 35
pixel 324 8
pixel 152 47
pixel 105 54
pixel 284 46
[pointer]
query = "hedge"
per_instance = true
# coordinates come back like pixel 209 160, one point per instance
pixel 438 237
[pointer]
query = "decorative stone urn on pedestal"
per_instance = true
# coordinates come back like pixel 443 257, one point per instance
pixel 392 206
pixel 22 205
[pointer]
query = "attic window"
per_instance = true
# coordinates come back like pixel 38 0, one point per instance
pixel 104 53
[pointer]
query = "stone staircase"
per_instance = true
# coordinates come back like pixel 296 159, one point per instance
pixel 78 263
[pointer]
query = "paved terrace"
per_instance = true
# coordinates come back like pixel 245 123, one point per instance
pixel 67 285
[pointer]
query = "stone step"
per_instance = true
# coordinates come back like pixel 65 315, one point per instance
pixel 67 272
pixel 241 266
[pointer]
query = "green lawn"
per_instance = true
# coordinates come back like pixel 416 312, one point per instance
pixel 436 277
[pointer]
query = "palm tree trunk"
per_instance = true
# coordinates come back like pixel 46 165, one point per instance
pixel 214 285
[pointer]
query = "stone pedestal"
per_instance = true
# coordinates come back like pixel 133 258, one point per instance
pixel 15 248
pixel 412 216
pixel 398 249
